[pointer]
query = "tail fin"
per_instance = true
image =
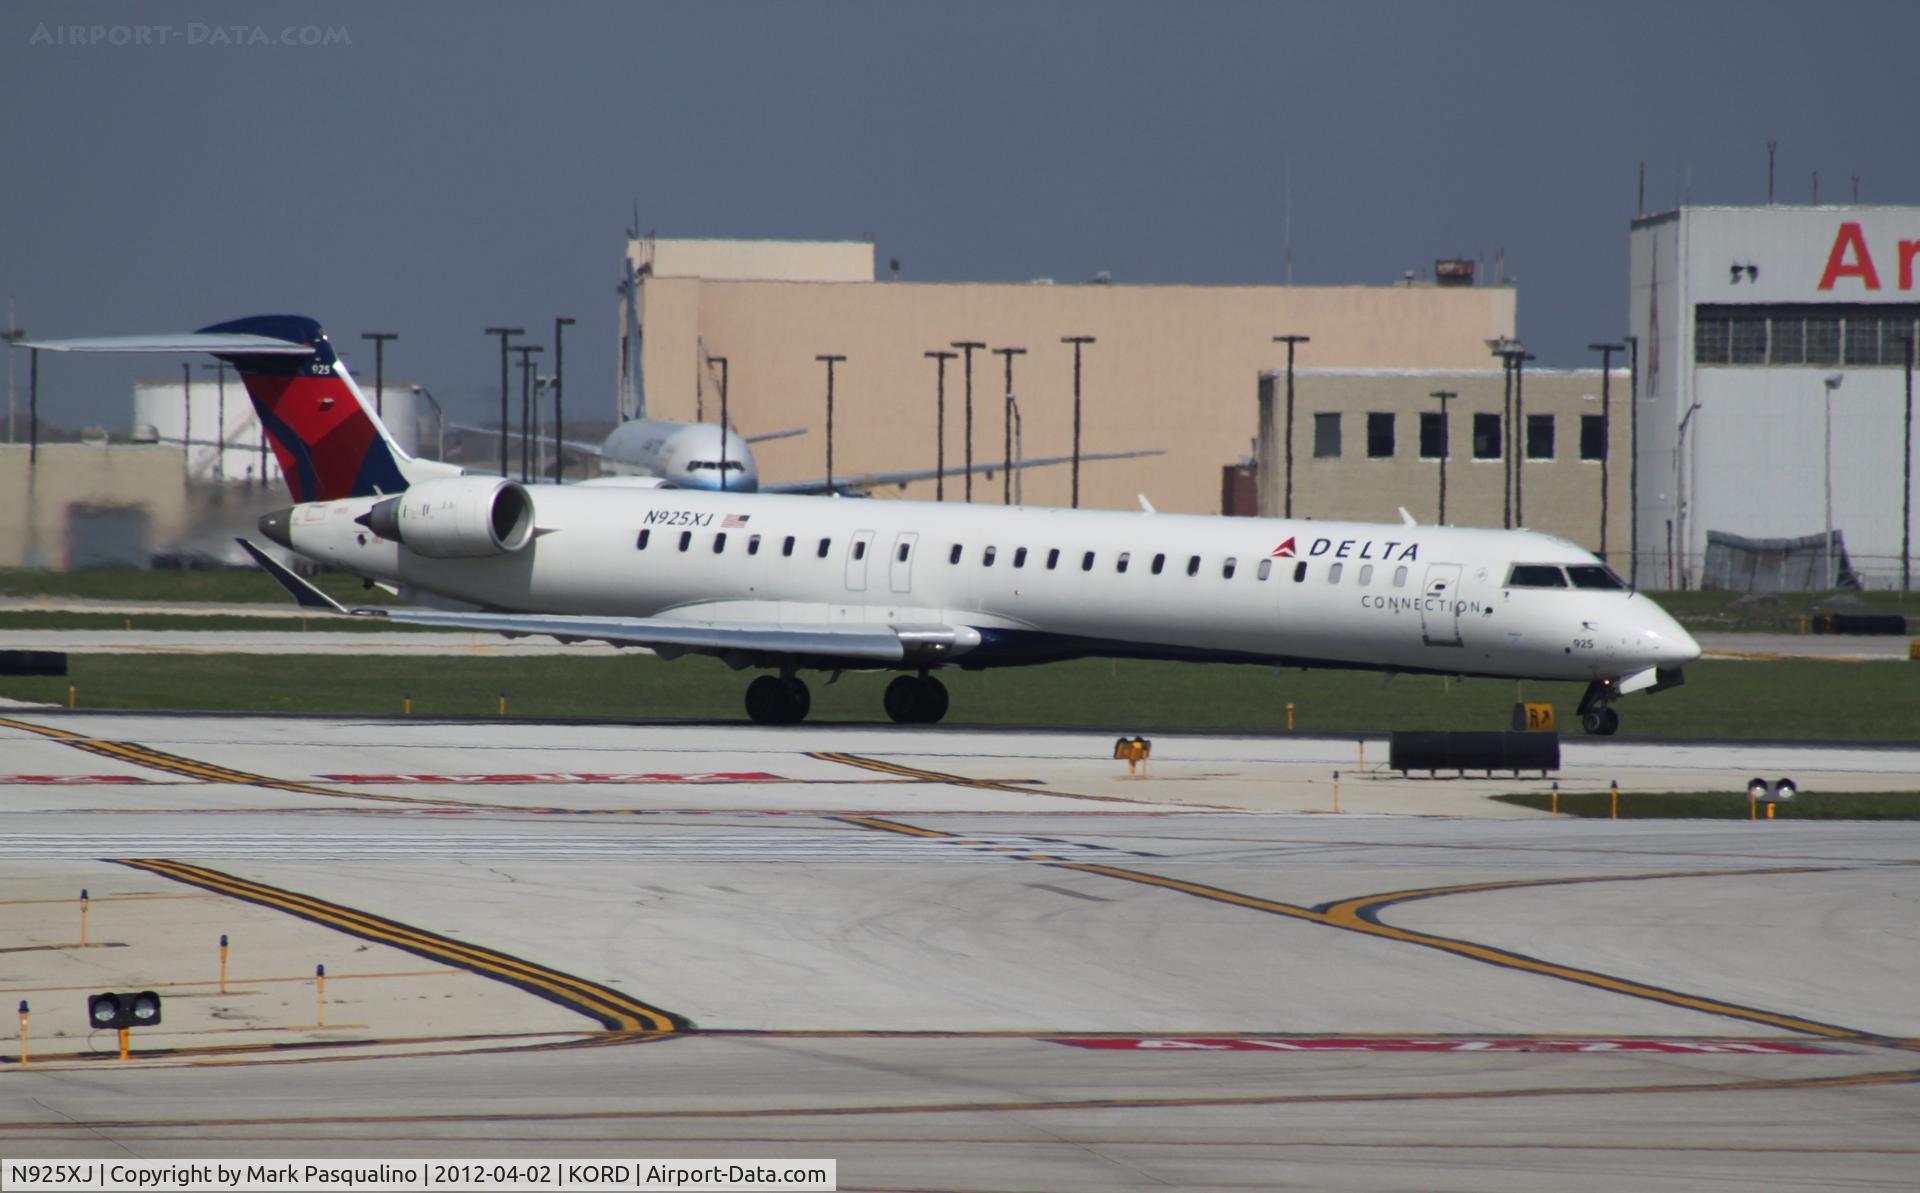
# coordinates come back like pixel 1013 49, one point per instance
pixel 328 440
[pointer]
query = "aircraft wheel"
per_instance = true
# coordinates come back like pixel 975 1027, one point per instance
pixel 1601 722
pixel 904 699
pixel 933 700
pixel 799 700
pixel 775 701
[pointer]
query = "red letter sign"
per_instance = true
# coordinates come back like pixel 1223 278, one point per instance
pixel 1862 265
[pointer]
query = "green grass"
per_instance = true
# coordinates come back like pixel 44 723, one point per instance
pixel 1729 805
pixel 1757 700
pixel 227 585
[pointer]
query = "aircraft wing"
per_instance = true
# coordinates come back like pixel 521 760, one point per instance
pixel 872 480
pixel 770 435
pixel 576 445
pixel 667 637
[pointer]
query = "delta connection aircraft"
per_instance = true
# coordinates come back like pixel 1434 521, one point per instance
pixel 789 584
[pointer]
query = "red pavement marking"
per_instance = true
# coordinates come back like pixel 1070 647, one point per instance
pixel 1347 1044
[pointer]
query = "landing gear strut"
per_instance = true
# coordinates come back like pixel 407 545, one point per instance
pixel 1596 709
pixel 778 700
pixel 916 700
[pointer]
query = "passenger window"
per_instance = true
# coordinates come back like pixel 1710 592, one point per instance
pixel 719 542
pixel 1226 569
pixel 859 549
pixel 986 557
pixel 641 543
pixel 1333 573
pixel 1159 562
pixel 786 548
pixel 1299 571
pixel 953 556
pixel 904 547
pixel 1193 566
pixel 825 545
pixel 1086 562
pixel 1266 568
pixel 1400 576
pixel 1120 565
pixel 686 539
pixel 1536 575
pixel 1366 574
pixel 1053 558
pixel 753 544
pixel 1020 558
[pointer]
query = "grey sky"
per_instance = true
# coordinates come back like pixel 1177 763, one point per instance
pixel 455 166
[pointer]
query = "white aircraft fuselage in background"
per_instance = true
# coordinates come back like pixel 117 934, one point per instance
pixel 687 455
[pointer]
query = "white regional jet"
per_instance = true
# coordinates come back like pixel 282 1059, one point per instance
pixel 793 583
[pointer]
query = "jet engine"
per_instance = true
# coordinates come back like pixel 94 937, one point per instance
pixel 458 517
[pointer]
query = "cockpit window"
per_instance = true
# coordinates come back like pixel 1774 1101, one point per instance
pixel 1595 575
pixel 715 466
pixel 1536 575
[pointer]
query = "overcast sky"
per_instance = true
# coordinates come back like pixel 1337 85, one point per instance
pixel 431 169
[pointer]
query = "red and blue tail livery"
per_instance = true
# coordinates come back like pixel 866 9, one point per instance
pixel 327 441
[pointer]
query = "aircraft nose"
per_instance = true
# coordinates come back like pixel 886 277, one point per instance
pixel 278 526
pixel 1668 644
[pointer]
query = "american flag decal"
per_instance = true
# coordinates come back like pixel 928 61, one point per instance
pixel 734 521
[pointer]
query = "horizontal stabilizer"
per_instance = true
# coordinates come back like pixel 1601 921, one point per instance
pixel 302 592
pixel 250 345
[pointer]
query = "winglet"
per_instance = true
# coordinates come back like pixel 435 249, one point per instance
pixel 306 594
pixel 1407 518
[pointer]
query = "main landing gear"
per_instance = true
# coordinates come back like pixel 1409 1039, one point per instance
pixel 916 700
pixel 784 700
pixel 1597 715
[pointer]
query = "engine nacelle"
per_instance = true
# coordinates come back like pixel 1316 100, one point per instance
pixel 458 517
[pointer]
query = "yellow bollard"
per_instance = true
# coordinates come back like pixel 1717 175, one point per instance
pixel 1336 793
pixel 1362 742
pixel 223 963
pixel 1289 716
pixel 73 696
pixel 125 1034
pixel 407 704
pixel 1769 811
pixel 129 623
pixel 84 904
pixel 24 1062
pixel 1613 791
pixel 319 996
pixel 1556 799
pixel 503 704
pixel 1753 805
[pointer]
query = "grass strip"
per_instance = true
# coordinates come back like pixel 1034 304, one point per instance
pixel 1792 699
pixel 1728 805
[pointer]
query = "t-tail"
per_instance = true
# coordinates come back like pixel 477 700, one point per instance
pixel 328 439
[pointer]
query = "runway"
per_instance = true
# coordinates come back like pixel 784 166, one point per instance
pixel 953 960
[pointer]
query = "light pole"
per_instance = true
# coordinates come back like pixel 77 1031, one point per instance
pixel 940 425
pixel 220 423
pixel 505 333
pixel 1006 425
pixel 830 360
pixel 1519 430
pixel 1076 341
pixel 1633 460
pixel 559 414
pixel 1290 341
pixel 1019 449
pixel 1446 445
pixel 1906 484
pixel 1606 352
pixel 186 389
pixel 527 353
pixel 33 406
pixel 1832 383
pixel 968 346
pixel 1509 351
pixel 722 362
pixel 379 339
pixel 12 335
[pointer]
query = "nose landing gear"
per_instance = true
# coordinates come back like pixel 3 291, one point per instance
pixel 1597 715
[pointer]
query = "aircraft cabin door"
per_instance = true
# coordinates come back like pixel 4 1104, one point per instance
pixel 1440 610
pixel 904 545
pixel 857 552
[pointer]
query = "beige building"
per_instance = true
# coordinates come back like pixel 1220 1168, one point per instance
pixel 89 504
pixel 1173 368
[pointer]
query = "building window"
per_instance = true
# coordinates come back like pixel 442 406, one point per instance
pixel 1788 343
pixel 1747 339
pixel 1593 437
pixel 1823 339
pixel 1895 331
pixel 640 544
pixel 1863 341
pixel 1539 436
pixel 1326 436
pixel 1486 437
pixel 1433 435
pixel 719 542
pixel 1802 335
pixel 1710 337
pixel 1380 435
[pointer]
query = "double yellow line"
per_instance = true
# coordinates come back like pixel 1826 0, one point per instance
pixel 613 1010
pixel 934 776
